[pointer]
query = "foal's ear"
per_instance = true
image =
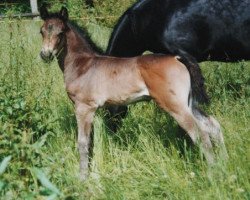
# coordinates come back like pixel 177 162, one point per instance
pixel 64 13
pixel 44 12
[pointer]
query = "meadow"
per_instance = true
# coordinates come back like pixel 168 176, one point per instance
pixel 143 160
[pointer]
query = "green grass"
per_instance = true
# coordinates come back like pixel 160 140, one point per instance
pixel 141 161
pixel 103 12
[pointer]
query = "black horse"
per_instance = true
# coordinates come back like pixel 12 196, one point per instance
pixel 197 30
pixel 204 29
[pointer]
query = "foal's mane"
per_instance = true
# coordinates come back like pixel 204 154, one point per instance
pixel 84 36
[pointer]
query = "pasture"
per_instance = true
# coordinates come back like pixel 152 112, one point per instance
pixel 143 160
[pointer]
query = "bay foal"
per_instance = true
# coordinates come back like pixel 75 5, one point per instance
pixel 93 81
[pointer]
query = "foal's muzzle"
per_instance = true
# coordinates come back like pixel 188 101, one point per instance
pixel 47 56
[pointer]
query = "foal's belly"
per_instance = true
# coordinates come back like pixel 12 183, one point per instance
pixel 139 96
pixel 125 98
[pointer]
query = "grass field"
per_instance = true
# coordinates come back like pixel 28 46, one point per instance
pixel 38 150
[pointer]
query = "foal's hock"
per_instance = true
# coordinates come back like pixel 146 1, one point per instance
pixel 93 80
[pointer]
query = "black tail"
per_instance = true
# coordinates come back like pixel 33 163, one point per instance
pixel 197 80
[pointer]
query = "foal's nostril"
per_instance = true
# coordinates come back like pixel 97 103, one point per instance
pixel 46 56
pixel 50 55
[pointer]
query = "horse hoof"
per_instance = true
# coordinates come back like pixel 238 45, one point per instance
pixel 83 176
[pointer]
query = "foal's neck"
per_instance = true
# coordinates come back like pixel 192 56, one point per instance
pixel 75 45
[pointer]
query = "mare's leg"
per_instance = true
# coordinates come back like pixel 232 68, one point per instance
pixel 84 116
pixel 114 117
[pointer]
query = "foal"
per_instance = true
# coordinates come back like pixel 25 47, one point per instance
pixel 93 81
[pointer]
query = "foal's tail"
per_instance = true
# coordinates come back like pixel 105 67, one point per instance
pixel 197 79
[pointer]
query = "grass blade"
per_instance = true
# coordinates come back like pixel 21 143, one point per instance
pixel 45 181
pixel 4 164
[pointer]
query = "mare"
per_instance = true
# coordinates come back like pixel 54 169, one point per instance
pixel 203 29
pixel 93 80
pixel 198 30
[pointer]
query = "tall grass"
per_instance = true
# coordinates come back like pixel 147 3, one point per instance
pixel 143 160
pixel 103 12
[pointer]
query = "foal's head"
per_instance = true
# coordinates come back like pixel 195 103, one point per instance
pixel 53 32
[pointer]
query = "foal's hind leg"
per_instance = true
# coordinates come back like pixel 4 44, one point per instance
pixel 186 120
pixel 211 126
pixel 177 106
pixel 170 87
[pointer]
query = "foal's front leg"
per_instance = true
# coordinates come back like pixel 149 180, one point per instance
pixel 84 116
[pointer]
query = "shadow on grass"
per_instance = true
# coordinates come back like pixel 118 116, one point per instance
pixel 67 119
pixel 134 126
pixel 130 128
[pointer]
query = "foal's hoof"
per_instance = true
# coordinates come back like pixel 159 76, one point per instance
pixel 83 176
pixel 223 155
